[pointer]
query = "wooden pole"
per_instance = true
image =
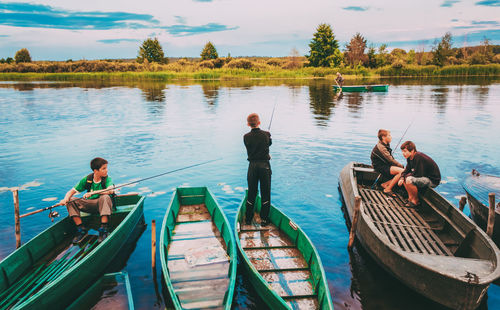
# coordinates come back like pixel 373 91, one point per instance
pixel 352 234
pixel 462 202
pixel 491 214
pixel 153 244
pixel 15 194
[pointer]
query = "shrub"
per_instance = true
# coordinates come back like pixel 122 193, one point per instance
pixel 240 63
pixel 209 64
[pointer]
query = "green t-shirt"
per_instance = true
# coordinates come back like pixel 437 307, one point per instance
pixel 80 187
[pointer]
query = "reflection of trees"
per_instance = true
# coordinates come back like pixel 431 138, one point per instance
pixel 354 101
pixel 440 98
pixel 321 101
pixel 211 93
pixel 153 92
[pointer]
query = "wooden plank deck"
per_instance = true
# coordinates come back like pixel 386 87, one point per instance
pixel 404 227
pixel 198 286
pixel 280 263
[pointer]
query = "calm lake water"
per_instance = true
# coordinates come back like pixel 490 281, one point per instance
pixel 50 131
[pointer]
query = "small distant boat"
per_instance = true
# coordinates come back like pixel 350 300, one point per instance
pixel 111 291
pixel 362 88
pixel 478 186
pixel 281 262
pixel 48 272
pixel 435 249
pixel 197 251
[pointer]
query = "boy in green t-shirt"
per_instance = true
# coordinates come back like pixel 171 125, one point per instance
pixel 98 203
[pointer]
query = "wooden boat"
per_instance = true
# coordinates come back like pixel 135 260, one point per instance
pixel 478 186
pixel 111 291
pixel 435 249
pixel 197 251
pixel 48 272
pixel 362 88
pixel 281 262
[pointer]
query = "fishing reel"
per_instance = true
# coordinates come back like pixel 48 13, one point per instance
pixel 53 214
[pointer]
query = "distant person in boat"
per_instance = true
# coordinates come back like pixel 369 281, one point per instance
pixel 257 143
pixel 340 80
pixel 384 163
pixel 98 203
pixel 420 172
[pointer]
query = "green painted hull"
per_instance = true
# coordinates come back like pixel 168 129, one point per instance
pixel 88 299
pixel 192 196
pixel 363 88
pixel 305 246
pixel 63 290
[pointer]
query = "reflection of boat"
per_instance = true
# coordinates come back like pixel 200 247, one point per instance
pixel 435 249
pixel 197 251
pixel 111 291
pixel 281 262
pixel 362 88
pixel 49 272
pixel 478 186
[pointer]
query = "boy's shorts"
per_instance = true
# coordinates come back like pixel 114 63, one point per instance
pixel 420 182
pixel 385 170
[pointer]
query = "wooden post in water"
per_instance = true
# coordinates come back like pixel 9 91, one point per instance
pixel 153 244
pixel 15 194
pixel 491 214
pixel 461 203
pixel 352 234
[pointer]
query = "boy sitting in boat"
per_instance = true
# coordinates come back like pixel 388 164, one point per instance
pixel 420 172
pixel 257 143
pixel 384 163
pixel 91 203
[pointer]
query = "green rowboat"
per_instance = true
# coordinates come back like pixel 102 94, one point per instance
pixel 48 272
pixel 281 262
pixel 197 251
pixel 362 88
pixel 111 291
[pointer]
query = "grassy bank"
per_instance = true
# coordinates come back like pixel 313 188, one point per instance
pixel 165 73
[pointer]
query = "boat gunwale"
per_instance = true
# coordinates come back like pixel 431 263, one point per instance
pixel 468 190
pixel 232 270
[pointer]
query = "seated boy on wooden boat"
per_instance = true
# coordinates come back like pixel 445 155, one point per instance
pixel 91 203
pixel 384 163
pixel 257 143
pixel 420 172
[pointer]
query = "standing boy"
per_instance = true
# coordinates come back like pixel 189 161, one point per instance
pixel 92 203
pixel 420 172
pixel 384 163
pixel 257 143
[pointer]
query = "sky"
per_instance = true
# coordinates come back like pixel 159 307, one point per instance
pixel 68 29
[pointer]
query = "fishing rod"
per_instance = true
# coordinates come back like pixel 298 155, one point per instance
pixel 272 115
pixel 119 186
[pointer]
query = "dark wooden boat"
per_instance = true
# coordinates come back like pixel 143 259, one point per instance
pixel 48 272
pixel 281 262
pixel 197 251
pixel 111 291
pixel 435 249
pixel 478 186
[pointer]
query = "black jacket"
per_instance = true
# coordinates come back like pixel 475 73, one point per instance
pixel 422 166
pixel 382 156
pixel 257 142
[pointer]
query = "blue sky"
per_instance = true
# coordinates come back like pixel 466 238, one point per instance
pixel 64 29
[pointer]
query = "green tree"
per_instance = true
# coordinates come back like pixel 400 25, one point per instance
pixel 442 50
pixel 209 52
pixel 382 58
pixel 324 48
pixel 151 51
pixel 355 53
pixel 372 60
pixel 22 55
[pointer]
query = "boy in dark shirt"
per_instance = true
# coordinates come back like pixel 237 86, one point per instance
pixel 98 203
pixel 384 163
pixel 420 172
pixel 257 143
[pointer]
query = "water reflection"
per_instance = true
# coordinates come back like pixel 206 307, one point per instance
pixel 354 102
pixel 440 98
pixel 321 102
pixel 153 92
pixel 211 93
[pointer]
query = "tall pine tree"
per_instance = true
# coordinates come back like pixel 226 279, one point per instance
pixel 324 48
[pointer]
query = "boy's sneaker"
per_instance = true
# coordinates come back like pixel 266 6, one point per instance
pixel 81 232
pixel 103 234
pixel 264 223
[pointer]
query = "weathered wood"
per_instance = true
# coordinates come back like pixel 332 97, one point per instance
pixel 352 235
pixel 462 202
pixel 491 214
pixel 15 194
pixel 153 244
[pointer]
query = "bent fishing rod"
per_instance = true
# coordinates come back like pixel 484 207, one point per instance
pixel 119 186
pixel 272 114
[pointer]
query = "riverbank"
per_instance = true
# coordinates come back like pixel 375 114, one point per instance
pixel 154 72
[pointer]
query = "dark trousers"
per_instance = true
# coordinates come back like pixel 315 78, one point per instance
pixel 259 171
